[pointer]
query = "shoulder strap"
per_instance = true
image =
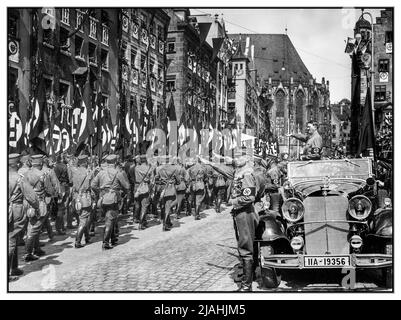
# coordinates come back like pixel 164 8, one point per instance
pixel 82 183
pixel 13 193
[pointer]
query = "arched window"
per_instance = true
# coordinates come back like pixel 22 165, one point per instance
pixel 315 107
pixel 299 115
pixel 280 107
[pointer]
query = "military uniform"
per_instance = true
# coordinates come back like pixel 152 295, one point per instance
pixel 107 183
pixel 245 219
pixel 36 178
pixel 61 171
pixel 222 174
pixel 181 187
pixel 53 197
pixel 20 196
pixel 142 176
pixel 167 177
pixel 197 174
pixel 313 146
pixel 81 177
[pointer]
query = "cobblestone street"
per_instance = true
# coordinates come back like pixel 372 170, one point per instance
pixel 193 256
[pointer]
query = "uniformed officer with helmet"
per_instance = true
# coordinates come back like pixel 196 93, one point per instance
pixel 107 183
pixel 21 196
pixel 81 177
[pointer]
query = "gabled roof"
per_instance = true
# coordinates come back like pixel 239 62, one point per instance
pixel 271 52
pixel 239 55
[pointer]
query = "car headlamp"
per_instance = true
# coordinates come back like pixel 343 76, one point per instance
pixel 293 210
pixel 359 207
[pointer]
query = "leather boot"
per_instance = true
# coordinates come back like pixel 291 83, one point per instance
pixel 246 283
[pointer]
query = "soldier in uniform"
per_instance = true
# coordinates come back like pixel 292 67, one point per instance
pixel 167 176
pixel 71 212
pixel 36 177
pixel 314 142
pixel 273 183
pixel 107 183
pixel 61 172
pixel 81 177
pixel 26 164
pixel 53 199
pixel 142 176
pixel 181 187
pixel 197 174
pixel 246 220
pixel 20 196
pixel 244 192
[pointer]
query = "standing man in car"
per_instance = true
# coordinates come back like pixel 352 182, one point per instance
pixel 314 141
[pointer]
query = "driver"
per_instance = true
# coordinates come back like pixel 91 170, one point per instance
pixel 314 141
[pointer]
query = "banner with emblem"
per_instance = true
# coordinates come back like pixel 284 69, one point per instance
pixel 16 130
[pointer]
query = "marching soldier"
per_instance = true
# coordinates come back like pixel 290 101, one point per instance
pixel 26 164
pixel 71 213
pixel 167 175
pixel 52 200
pixel 20 196
pixel 107 183
pixel 81 177
pixel 197 175
pixel 181 187
pixel 142 176
pixel 38 179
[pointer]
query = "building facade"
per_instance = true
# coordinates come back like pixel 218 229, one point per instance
pixel 197 68
pixel 142 69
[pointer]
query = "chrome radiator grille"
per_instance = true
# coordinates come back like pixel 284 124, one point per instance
pixel 327 237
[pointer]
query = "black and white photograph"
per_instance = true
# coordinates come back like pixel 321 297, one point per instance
pixel 197 149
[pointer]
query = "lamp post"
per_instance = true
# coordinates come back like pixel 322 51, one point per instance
pixel 372 71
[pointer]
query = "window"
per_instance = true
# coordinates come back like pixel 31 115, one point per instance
pixel 78 46
pixel 389 36
pixel 79 24
pixel 380 93
pixel 92 53
pixel 384 65
pixel 64 91
pixel 48 87
pixel 151 65
pixel 144 20
pixel 170 85
pixel 170 47
pixel 65 16
pixel 160 32
pixel 160 73
pixel 13 27
pixel 92 28
pixel 104 59
pixel 64 40
pixel 48 36
pixel 143 62
pixel 105 34
pixel 133 58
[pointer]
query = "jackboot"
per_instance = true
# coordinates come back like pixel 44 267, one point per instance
pixel 246 283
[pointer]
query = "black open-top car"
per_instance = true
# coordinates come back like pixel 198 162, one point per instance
pixel 333 215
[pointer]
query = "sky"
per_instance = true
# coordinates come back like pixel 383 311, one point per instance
pixel 318 35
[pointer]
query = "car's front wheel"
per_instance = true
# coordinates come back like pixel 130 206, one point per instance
pixel 271 277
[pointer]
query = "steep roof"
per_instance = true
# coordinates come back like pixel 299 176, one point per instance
pixel 271 51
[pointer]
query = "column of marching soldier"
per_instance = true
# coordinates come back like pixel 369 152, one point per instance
pixel 88 190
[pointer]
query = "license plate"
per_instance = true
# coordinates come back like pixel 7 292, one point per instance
pixel 326 261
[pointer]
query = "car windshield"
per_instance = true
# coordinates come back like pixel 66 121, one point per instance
pixel 345 168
